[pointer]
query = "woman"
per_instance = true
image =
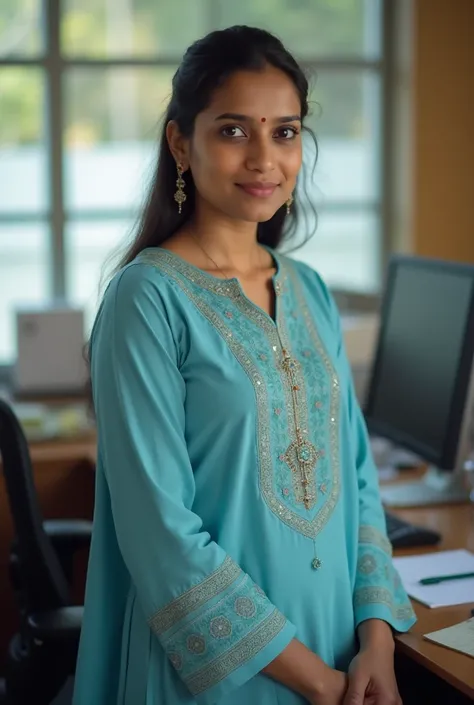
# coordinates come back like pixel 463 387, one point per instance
pixel 239 552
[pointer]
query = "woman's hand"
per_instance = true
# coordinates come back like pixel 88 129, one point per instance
pixel 372 679
pixel 304 672
pixel 332 690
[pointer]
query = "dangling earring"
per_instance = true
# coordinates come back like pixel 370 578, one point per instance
pixel 288 205
pixel 180 196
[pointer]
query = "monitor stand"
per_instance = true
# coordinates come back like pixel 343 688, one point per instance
pixel 435 487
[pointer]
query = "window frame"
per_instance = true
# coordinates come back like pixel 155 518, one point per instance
pixel 55 65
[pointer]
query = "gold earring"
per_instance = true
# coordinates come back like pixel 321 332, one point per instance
pixel 288 205
pixel 180 196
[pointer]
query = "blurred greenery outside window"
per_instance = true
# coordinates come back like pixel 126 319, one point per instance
pixel 82 108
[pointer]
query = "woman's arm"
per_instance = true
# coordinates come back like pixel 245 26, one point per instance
pixel 378 591
pixel 301 670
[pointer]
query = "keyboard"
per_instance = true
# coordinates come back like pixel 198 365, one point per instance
pixel 402 534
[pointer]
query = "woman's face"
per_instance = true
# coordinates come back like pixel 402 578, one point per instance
pixel 246 150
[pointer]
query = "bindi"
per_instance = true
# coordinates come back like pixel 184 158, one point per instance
pixel 264 119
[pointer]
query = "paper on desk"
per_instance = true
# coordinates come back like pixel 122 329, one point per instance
pixel 459 637
pixel 453 592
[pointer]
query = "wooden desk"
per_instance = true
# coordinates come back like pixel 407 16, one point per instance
pixel 456 524
pixel 64 450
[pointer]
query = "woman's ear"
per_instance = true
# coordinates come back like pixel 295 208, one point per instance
pixel 179 145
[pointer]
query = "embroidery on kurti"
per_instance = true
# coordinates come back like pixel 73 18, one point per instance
pixel 379 595
pixel 217 639
pixel 371 535
pixel 377 581
pixel 243 651
pixel 196 596
pixel 293 495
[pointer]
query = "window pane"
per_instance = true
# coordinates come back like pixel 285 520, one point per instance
pixel 92 249
pixel 22 146
pixel 313 28
pixel 111 134
pixel 345 250
pixel 345 109
pixel 20 28
pixel 24 276
pixel 135 28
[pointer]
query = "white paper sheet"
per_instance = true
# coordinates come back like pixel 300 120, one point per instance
pixel 453 592
pixel 459 637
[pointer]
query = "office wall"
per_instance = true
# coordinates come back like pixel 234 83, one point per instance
pixel 443 129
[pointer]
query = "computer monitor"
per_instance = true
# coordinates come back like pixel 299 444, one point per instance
pixel 420 393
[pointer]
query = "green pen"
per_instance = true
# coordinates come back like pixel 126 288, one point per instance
pixel 441 578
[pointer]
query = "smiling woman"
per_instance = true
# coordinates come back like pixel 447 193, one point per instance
pixel 239 542
pixel 213 129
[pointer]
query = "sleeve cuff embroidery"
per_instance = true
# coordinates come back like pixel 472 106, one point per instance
pixel 234 657
pixel 371 535
pixel 196 596
pixel 217 626
pixel 377 581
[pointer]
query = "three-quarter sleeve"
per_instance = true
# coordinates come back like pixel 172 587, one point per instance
pixel 378 591
pixel 215 624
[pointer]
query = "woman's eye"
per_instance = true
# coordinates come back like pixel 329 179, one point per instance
pixel 233 131
pixel 287 133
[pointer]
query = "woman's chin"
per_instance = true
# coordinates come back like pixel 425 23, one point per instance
pixel 259 213
pixel 256 211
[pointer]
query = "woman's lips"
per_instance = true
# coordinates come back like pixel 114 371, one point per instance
pixel 260 190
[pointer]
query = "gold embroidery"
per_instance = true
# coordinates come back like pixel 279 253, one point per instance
pixel 176 660
pixel 243 651
pixel 301 456
pixel 373 595
pixel 177 268
pixel 366 564
pixel 326 510
pixel 369 534
pixel 196 596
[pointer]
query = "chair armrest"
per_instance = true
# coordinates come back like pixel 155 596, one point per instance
pixel 59 625
pixel 68 535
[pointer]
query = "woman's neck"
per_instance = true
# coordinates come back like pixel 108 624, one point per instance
pixel 230 243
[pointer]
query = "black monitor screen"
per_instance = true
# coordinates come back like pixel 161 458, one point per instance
pixel 422 344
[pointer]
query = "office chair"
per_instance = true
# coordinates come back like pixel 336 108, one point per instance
pixel 42 655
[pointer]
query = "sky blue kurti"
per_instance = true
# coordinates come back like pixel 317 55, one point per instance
pixel 237 502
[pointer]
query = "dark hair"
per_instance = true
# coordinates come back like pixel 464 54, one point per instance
pixel 206 65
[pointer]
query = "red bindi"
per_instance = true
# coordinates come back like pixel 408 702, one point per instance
pixel 263 119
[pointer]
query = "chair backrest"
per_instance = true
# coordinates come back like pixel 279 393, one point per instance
pixel 43 582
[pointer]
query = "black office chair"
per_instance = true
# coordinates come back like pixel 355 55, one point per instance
pixel 42 655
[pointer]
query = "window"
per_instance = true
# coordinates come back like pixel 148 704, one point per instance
pixel 83 84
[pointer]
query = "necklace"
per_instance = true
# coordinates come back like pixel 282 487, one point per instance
pixel 226 276
pixel 209 256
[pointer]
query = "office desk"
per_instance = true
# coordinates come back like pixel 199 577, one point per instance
pixel 456 524
pixel 64 450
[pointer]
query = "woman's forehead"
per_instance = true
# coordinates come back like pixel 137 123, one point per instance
pixel 268 93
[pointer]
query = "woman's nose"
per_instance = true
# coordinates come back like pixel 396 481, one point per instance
pixel 260 156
